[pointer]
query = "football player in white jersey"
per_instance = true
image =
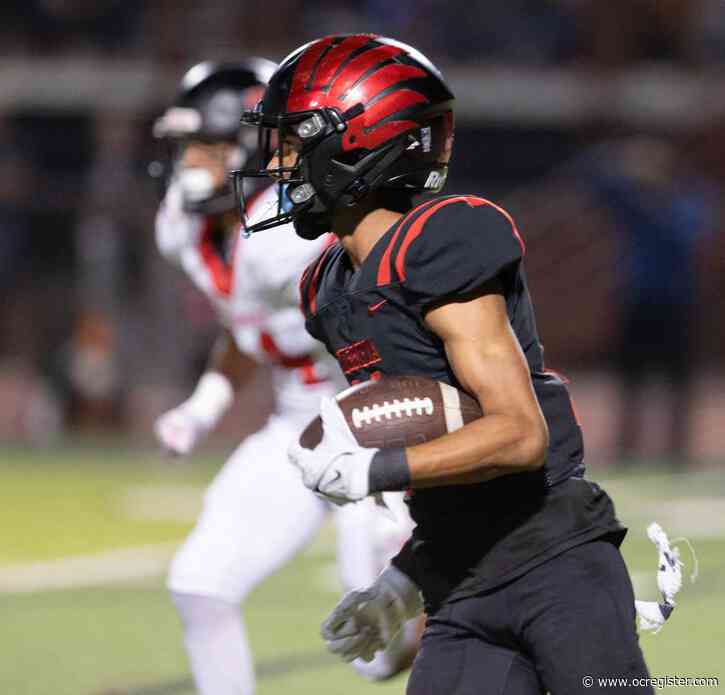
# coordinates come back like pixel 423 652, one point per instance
pixel 257 514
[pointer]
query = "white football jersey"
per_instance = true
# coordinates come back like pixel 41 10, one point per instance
pixel 256 296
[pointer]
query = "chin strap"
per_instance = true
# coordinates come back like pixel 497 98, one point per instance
pixel 653 614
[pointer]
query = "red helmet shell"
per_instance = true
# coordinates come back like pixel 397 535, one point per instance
pixel 393 82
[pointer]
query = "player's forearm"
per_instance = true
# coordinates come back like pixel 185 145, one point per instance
pixel 490 447
pixel 230 363
pixel 227 370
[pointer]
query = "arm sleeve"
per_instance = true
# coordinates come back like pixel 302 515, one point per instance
pixel 456 246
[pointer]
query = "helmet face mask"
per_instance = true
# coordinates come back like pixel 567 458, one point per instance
pixel 205 114
pixel 380 119
pixel 201 169
pixel 319 180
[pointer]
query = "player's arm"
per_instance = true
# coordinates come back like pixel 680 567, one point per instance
pixel 182 428
pixel 227 360
pixel 452 270
pixel 511 437
pixel 488 362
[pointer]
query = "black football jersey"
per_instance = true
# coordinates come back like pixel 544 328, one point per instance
pixel 371 320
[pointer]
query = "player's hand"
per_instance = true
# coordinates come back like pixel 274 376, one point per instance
pixel 176 229
pixel 181 429
pixel 366 620
pixel 338 467
pixel 179 432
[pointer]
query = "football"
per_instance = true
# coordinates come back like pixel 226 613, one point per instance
pixel 399 411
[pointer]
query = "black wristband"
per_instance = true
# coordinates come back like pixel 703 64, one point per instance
pixel 389 471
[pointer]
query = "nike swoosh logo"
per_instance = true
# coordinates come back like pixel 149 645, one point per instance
pixel 374 307
pixel 332 480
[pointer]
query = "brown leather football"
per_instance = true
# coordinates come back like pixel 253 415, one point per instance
pixel 399 411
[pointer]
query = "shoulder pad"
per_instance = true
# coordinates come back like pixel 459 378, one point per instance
pixel 449 246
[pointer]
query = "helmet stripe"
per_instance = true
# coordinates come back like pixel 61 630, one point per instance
pixel 353 56
pixel 339 57
pixel 310 85
pixel 305 67
pixel 409 83
pixel 366 75
pixel 390 77
pixel 343 82
pixel 384 132
pixel 391 105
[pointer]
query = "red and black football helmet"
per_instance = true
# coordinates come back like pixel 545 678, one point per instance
pixel 210 98
pixel 366 113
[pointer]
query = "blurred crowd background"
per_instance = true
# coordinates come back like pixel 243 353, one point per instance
pixel 599 125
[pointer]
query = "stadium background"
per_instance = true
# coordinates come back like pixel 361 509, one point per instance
pixel 599 125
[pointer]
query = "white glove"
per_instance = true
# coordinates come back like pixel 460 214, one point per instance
pixel 366 620
pixel 178 431
pixel 653 614
pixel 338 466
pixel 176 229
pixel 181 429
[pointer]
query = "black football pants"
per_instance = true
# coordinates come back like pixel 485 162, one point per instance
pixel 559 628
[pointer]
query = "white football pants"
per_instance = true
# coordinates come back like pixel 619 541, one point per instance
pixel 257 515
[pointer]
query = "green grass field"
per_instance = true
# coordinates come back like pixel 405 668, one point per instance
pixel 82 630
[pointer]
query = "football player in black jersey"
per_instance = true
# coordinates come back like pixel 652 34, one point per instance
pixel 515 553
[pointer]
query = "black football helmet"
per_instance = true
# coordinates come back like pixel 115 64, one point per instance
pixel 210 100
pixel 365 113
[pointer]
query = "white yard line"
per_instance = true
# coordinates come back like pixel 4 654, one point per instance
pixel 110 567
pixel 694 517
pixel 697 517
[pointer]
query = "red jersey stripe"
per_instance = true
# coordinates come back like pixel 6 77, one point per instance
pixel 415 230
pixel 302 284
pixel 330 241
pixel 312 288
pixel 310 375
pixel 417 227
pixel 270 347
pixel 476 201
pixel 221 273
pixel 385 267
